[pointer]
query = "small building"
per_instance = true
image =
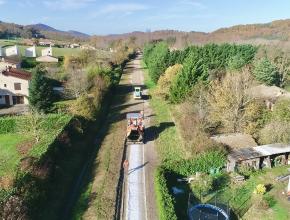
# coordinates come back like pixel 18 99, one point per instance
pixel 14 84
pixel 74 45
pixel 46 52
pixel 258 157
pixel 47 59
pixel 45 42
pixel 30 52
pixel 11 51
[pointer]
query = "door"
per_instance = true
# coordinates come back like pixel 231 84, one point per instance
pixel 7 100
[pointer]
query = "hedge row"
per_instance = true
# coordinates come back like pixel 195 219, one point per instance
pixel 164 200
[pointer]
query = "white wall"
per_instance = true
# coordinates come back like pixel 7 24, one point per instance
pixel 46 52
pixel 12 51
pixel 9 81
pixel 30 52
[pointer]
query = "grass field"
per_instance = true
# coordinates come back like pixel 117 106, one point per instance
pixel 9 156
pixel 56 51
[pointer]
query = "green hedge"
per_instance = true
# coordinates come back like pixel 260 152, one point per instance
pixel 8 125
pixel 202 163
pixel 164 200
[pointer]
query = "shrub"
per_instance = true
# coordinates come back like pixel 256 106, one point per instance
pixel 204 162
pixel 164 200
pixel 260 189
pixel 84 107
pixel 165 80
pixel 7 125
pixel 266 72
pixel 202 184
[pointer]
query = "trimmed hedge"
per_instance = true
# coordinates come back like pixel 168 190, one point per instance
pixel 165 202
pixel 8 125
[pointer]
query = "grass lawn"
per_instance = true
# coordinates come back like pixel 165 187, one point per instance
pixel 58 52
pixel 9 156
pixel 168 143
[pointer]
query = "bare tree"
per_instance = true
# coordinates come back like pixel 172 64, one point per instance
pixel 77 83
pixel 228 98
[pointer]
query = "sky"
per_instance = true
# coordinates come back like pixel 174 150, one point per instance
pixel 116 16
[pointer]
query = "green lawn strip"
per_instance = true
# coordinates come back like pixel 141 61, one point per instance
pixel 9 156
pixel 169 145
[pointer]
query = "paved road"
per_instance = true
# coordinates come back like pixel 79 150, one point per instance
pixel 139 199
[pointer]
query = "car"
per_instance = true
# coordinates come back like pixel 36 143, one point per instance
pixel 137 92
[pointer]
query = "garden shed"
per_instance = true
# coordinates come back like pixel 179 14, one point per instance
pixel 258 157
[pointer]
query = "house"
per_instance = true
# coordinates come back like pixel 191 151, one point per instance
pixel 46 52
pixel 1 52
pixel 74 45
pixel 47 59
pixel 258 157
pixel 11 51
pixel 14 84
pixel 30 52
pixel 45 42
pixel 6 62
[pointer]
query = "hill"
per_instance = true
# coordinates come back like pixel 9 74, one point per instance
pixel 275 32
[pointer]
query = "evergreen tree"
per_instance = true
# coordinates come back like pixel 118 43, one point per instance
pixel 40 91
pixel 266 72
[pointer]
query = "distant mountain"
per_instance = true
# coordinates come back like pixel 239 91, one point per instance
pixel 78 34
pixel 42 27
pixel 46 28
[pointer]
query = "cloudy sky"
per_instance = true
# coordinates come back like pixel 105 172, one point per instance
pixel 116 16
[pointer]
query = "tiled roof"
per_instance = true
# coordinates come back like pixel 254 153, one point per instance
pixel 17 73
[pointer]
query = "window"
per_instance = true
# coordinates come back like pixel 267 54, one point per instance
pixel 5 85
pixel 17 86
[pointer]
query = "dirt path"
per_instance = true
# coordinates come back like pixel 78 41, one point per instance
pixel 106 167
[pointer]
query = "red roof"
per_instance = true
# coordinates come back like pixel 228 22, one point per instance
pixel 17 73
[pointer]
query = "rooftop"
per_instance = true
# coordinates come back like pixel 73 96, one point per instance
pixel 259 151
pixel 17 73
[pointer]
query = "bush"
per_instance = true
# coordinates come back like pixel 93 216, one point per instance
pixel 164 200
pixel 165 80
pixel 84 107
pixel 204 162
pixel 7 125
pixel 202 184
pixel 266 72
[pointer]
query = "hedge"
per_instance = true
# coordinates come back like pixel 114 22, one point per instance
pixel 202 163
pixel 8 125
pixel 165 202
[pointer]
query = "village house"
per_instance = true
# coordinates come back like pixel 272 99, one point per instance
pixel 6 62
pixel 14 84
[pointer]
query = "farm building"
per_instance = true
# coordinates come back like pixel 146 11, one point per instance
pixel 11 51
pixel 46 52
pixel 258 157
pixel 30 52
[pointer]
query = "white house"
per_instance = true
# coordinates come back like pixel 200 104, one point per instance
pixel 14 84
pixel 1 52
pixel 46 52
pixel 12 51
pixel 30 52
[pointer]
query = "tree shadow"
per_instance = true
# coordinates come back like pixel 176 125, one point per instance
pixel 152 132
pixel 137 168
